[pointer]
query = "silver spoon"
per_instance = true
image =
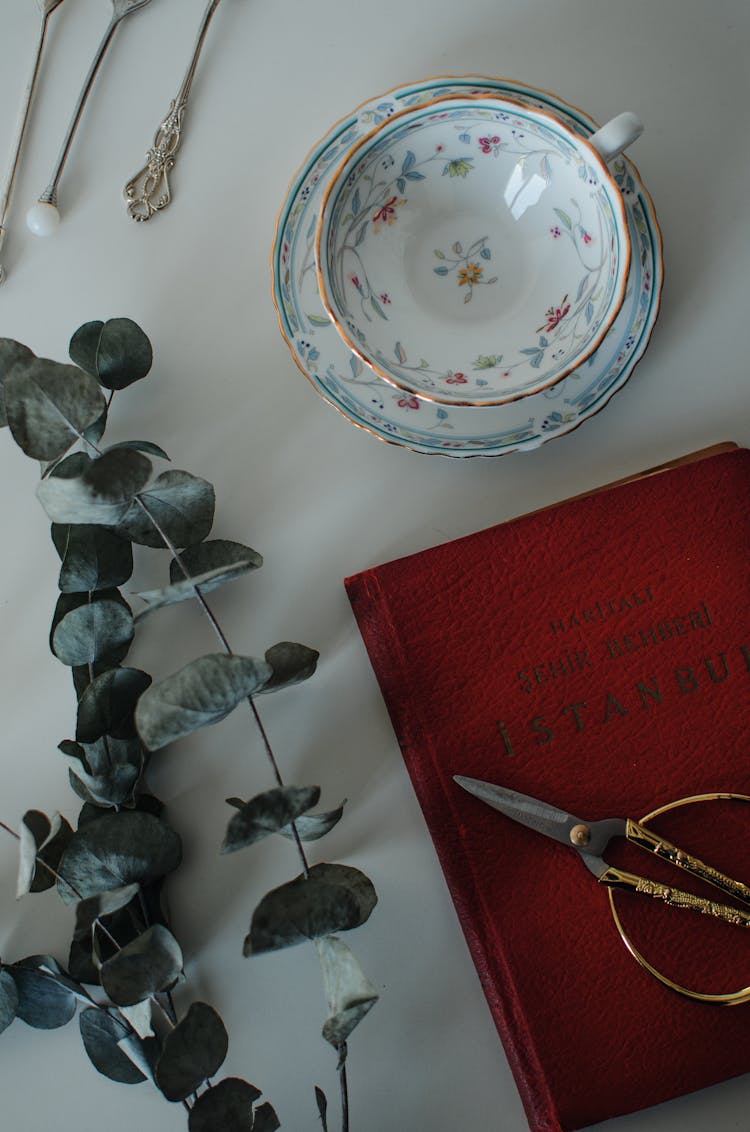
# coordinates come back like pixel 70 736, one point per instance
pixel 148 191
pixel 43 218
pixel 46 8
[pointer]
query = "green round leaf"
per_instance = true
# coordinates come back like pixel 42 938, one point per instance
pixel 11 352
pixel 331 898
pixel 291 663
pixel 185 589
pixel 268 813
pixel 101 1032
pixel 50 853
pixel 49 406
pixel 107 706
pixel 177 504
pixel 146 446
pixel 34 831
pixel 93 557
pixel 102 494
pixel 8 999
pixel 84 344
pixel 106 771
pixel 203 692
pixel 194 1050
pixel 216 554
pixel 265 1119
pixel 151 963
pixel 45 998
pixel 104 904
pixel 349 993
pixel 311 827
pixel 228 1106
pixel 98 630
pixel 116 850
pixel 117 352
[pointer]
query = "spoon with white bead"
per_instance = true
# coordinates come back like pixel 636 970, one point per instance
pixel 43 218
pixel 46 8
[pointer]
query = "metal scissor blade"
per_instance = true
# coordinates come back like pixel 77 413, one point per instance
pixel 547 819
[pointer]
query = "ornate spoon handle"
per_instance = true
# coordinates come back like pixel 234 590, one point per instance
pixel 47 7
pixel 148 191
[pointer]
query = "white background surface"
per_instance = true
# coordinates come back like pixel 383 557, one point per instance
pixel 321 499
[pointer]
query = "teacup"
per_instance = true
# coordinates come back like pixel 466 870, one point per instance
pixel 475 250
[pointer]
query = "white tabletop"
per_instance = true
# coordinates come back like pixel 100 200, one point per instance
pixel 321 499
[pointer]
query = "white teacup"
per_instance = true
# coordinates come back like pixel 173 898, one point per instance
pixel 475 250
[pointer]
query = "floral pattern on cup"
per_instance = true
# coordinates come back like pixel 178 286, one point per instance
pixel 465 265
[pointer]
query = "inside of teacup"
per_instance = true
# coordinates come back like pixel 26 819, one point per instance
pixel 474 253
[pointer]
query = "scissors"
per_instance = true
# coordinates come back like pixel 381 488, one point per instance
pixel 590 840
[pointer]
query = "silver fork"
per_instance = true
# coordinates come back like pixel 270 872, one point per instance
pixel 44 217
pixel 148 191
pixel 46 8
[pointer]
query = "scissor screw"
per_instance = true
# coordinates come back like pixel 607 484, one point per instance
pixel 580 835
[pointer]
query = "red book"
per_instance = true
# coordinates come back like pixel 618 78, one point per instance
pixel 595 655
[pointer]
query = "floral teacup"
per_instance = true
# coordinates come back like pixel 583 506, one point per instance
pixel 475 250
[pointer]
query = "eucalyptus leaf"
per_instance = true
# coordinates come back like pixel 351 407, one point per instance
pixel 215 554
pixel 349 993
pixel 100 629
pixel 102 1034
pixel 176 503
pixel 117 352
pixel 185 589
pixel 228 1106
pixel 48 857
pixel 290 663
pixel 70 466
pixel 117 850
pixel 311 827
pixel 11 352
pixel 45 998
pixel 84 344
pixel 203 692
pixel 150 964
pixel 42 843
pixel 107 706
pixel 265 1119
pixel 330 898
pixel 8 998
pixel 268 813
pixel 322 1103
pixel 93 557
pixel 34 831
pixel 103 904
pixel 93 434
pixel 106 772
pixel 146 446
pixel 193 1051
pixel 104 492
pixel 140 1017
pixel 49 406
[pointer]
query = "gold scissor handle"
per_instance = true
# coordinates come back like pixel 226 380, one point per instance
pixel 725 998
pixel 616 878
pixel 645 838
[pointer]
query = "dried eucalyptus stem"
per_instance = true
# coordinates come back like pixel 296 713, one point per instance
pixel 102 503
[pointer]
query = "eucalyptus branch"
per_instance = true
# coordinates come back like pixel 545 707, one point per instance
pixel 102 502
pixel 228 649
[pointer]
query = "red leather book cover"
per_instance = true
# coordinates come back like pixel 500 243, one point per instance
pixel 595 655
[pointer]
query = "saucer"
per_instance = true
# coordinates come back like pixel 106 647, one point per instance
pixel 398 417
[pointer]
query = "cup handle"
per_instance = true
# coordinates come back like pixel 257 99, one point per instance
pixel 616 135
